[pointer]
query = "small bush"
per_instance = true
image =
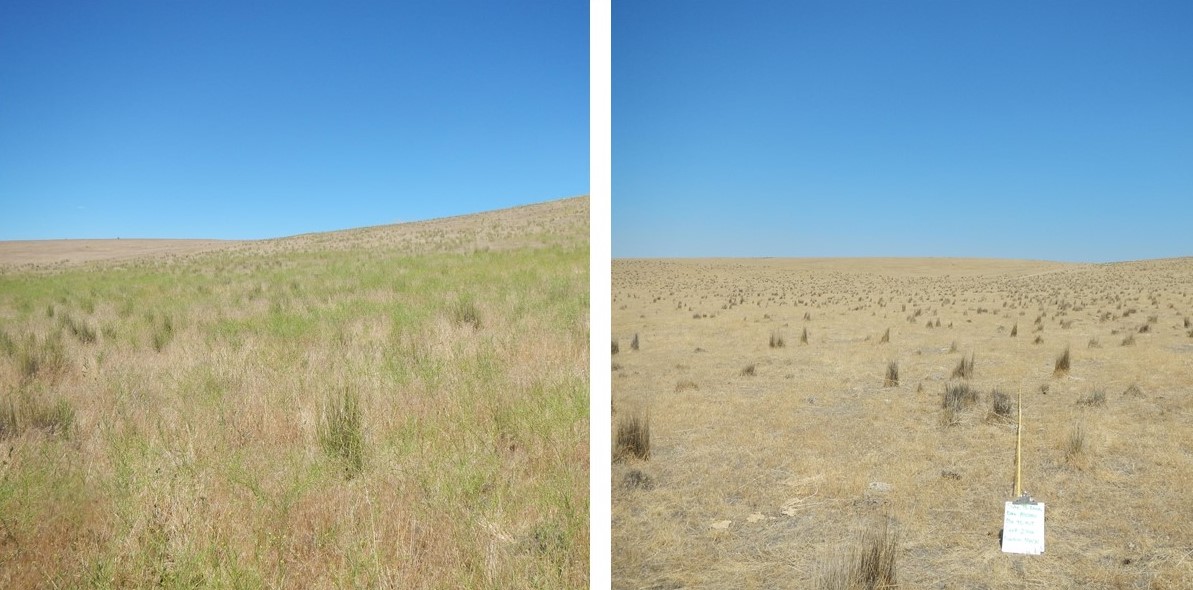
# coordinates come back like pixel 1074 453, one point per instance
pixel 341 431
pixel 633 436
pixel 1063 362
pixel 964 369
pixel 892 375
pixel 776 340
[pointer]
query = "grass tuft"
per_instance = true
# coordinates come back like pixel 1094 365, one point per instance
pixel 1096 398
pixel 964 369
pixel 464 312
pixel 616 347
pixel 29 411
pixel 892 375
pixel 1001 405
pixel 1015 330
pixel 1061 368
pixel 634 342
pixel 776 340
pixel 633 436
pixel 870 566
pixel 341 432
pixel 886 337
pixel 1133 391
pixel 749 371
pixel 803 339
pixel 42 358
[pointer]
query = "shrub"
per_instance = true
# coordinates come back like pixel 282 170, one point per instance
pixel 776 340
pixel 633 436
pixel 892 375
pixel 341 431
pixel 1061 367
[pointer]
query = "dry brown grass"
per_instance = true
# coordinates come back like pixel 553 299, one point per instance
pixel 330 412
pixel 759 482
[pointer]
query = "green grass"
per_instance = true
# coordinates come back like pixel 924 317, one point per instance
pixel 357 418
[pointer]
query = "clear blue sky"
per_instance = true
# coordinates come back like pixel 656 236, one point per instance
pixel 253 119
pixel 1044 130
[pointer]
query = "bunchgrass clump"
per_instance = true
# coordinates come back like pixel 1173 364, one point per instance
pixel 1001 405
pixel 1133 391
pixel 634 342
pixel 30 411
pixel 957 397
pixel 341 431
pixel 964 369
pixel 871 565
pixel 749 371
pixel 1096 398
pixel 1061 368
pixel 1015 330
pixel 633 436
pixel 616 347
pixel 776 340
pixel 39 358
pixel 803 338
pixel 886 337
pixel 892 375
pixel 1075 445
pixel 464 312
pixel 1129 340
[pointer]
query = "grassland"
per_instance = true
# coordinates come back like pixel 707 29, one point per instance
pixel 400 406
pixel 775 463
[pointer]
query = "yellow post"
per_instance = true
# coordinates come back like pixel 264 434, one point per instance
pixel 1019 448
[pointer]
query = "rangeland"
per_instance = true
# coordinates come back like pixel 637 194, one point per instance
pixel 399 406
pixel 841 423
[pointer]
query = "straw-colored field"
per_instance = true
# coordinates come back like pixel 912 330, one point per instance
pixel 769 464
pixel 390 407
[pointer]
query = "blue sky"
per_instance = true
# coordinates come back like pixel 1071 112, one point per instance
pixel 254 119
pixel 1044 130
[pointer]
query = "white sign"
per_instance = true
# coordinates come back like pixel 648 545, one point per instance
pixel 1023 528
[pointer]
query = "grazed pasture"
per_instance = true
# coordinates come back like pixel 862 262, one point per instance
pixel 804 412
pixel 400 406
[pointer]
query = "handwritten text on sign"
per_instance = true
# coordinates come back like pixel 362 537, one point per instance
pixel 1023 528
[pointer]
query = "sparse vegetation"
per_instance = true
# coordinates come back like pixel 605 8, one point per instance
pixel 892 375
pixel 1062 365
pixel 964 369
pixel 870 565
pixel 1129 340
pixel 1096 398
pixel 633 436
pixel 776 340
